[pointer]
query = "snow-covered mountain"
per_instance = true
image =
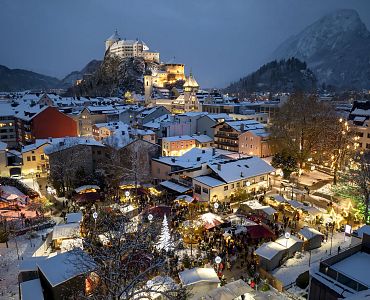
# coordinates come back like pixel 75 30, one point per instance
pixel 336 48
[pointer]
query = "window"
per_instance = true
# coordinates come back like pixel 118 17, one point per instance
pixel 244 183
pixel 368 135
pixel 205 190
pixel 28 158
pixel 360 134
pixel 158 171
pixel 262 178
pixel 238 185
pixel 232 186
pixel 99 152
pixel 197 189
pixel 226 187
pixel 33 158
pixel 42 156
pixel 367 146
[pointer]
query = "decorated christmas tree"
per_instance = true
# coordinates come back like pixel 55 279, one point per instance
pixel 165 241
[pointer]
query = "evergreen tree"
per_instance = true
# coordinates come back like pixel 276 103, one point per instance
pixel 165 242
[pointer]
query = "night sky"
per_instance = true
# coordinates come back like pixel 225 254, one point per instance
pixel 220 40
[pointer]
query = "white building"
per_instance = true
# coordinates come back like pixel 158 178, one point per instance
pixel 129 48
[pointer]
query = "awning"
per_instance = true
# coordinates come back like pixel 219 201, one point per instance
pixel 175 186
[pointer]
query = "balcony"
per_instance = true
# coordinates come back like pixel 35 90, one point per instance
pixel 229 144
pixel 231 136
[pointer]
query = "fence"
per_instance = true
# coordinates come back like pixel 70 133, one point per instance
pixel 274 282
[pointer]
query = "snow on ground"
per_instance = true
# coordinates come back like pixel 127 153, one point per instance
pixel 32 183
pixel 326 189
pixel 295 266
pixel 309 178
pixel 9 263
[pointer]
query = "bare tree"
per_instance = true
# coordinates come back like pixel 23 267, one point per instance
pixel 66 161
pixel 301 126
pixel 127 263
pixel 129 164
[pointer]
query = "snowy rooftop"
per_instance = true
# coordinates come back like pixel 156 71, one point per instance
pixel 288 243
pixel 308 232
pixel 31 290
pixel 3 146
pixel 74 217
pixel 240 169
pixel 356 266
pixel 361 112
pixel 175 187
pixel 245 125
pixel 65 266
pixel 69 142
pixel 196 275
pixel 269 250
pixel 178 138
pixel 64 231
pixel 38 143
pixel 194 157
pixel 209 181
pixel 202 138
pixel 364 229
pixel 30 263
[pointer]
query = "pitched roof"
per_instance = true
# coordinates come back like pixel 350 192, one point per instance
pixel 234 170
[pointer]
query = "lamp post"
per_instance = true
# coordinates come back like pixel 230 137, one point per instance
pixel 331 226
pixel 218 261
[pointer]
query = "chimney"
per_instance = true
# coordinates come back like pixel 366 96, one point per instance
pixel 241 174
pixel 242 127
pixel 198 158
pixel 173 159
pixel 219 167
pixel 213 151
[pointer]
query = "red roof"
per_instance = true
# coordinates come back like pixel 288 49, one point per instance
pixel 259 231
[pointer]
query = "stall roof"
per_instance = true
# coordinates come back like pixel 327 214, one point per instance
pixel 175 187
pixel 288 243
pixel 279 198
pixel 30 264
pixel 295 204
pixel 210 220
pixel 66 231
pixel 86 187
pixel 31 290
pixel 65 266
pixel 230 291
pixel 269 250
pixel 308 232
pixel 196 275
pixel 74 217
pixel 185 198
pixel 268 210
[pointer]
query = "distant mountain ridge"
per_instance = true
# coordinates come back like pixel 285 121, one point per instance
pixel 276 76
pixel 336 48
pixel 12 80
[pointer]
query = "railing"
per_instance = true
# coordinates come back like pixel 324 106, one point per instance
pixel 225 135
pixel 235 145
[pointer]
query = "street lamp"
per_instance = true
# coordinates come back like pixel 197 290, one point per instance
pixel 287 237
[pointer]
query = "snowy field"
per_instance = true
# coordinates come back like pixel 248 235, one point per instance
pixel 309 178
pixel 293 267
pixel 9 263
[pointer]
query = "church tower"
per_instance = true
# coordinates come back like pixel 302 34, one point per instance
pixel 148 89
pixel 111 40
pixel 191 88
